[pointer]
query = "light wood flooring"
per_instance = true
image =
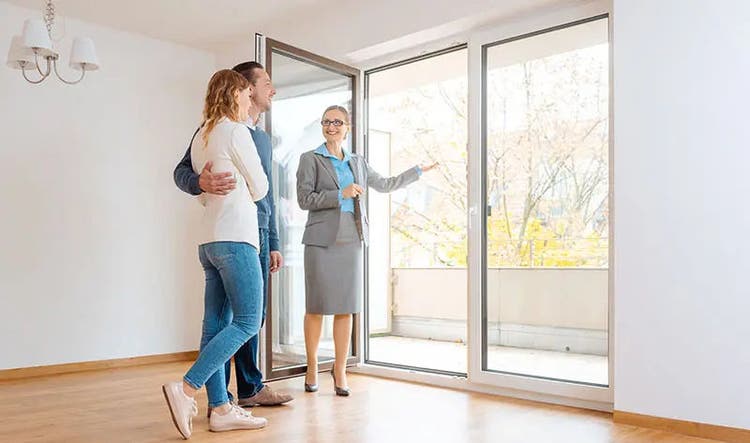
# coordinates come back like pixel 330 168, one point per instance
pixel 126 405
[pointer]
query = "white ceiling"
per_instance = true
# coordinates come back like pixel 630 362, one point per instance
pixel 335 28
pixel 204 24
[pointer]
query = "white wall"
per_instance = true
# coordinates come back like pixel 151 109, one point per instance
pixel 232 55
pixel 682 246
pixel 97 256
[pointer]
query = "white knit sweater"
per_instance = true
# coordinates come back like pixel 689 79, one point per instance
pixel 231 217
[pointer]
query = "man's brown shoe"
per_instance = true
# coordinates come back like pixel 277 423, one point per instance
pixel 266 397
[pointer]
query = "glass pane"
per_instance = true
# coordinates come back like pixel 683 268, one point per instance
pixel 547 239
pixel 303 91
pixel 417 260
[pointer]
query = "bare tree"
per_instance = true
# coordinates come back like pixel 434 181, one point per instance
pixel 546 158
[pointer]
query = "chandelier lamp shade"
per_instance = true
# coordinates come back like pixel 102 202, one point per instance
pixel 33 51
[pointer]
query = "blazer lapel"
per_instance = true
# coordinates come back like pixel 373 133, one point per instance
pixel 328 166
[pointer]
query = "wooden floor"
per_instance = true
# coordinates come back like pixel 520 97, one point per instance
pixel 126 405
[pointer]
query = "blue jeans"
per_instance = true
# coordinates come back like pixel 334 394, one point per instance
pixel 249 376
pixel 233 290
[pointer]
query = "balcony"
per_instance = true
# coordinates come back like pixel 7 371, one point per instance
pixel 549 323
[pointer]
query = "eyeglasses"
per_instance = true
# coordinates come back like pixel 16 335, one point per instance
pixel 335 122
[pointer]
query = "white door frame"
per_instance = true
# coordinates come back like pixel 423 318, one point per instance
pixel 519 386
pixel 603 396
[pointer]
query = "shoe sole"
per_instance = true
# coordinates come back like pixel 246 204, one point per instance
pixel 171 412
pixel 251 405
pixel 247 405
pixel 255 428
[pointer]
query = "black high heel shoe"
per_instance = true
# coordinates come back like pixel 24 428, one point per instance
pixel 311 387
pixel 341 392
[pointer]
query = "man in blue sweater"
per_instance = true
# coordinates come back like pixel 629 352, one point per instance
pixel 250 388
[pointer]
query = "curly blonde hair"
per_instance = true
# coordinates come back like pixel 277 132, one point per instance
pixel 220 99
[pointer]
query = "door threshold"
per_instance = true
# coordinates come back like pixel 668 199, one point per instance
pixel 462 383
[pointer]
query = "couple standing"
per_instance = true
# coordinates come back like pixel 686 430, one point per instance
pixel 239 247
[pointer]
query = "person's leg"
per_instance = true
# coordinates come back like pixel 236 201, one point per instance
pixel 239 268
pixel 240 271
pixel 228 364
pixel 217 315
pixel 342 334
pixel 313 328
pixel 247 370
pixel 228 377
pixel 179 395
pixel 226 318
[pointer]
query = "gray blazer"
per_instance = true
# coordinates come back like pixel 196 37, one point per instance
pixel 318 193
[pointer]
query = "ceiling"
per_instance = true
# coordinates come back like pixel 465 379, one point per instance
pixel 205 24
pixel 332 28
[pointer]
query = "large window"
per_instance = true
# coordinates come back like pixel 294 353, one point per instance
pixel 546 161
pixel 545 208
pixel 496 265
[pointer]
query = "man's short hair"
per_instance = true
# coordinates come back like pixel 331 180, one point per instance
pixel 249 70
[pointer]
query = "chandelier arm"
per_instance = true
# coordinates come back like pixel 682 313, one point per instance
pixel 38 69
pixel 34 82
pixel 83 73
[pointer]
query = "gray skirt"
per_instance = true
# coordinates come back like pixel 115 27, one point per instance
pixel 333 274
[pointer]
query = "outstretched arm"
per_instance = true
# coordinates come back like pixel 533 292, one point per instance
pixel 390 184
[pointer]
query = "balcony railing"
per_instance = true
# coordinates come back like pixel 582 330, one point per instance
pixel 558 309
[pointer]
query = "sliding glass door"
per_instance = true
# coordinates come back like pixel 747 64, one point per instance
pixel 416 298
pixel 546 194
pixel 495 266
pixel 539 220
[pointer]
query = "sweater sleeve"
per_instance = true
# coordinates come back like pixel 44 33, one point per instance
pixel 184 177
pixel 245 157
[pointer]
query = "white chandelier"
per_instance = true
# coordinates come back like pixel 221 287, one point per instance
pixel 28 50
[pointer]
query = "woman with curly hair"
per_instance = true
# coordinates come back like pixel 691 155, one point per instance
pixel 228 252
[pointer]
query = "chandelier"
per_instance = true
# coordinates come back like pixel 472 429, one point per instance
pixel 29 51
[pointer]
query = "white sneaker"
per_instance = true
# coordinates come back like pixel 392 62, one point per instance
pixel 181 407
pixel 236 418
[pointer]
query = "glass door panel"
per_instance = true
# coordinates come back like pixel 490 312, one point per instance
pixel 306 85
pixel 416 299
pixel 546 201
